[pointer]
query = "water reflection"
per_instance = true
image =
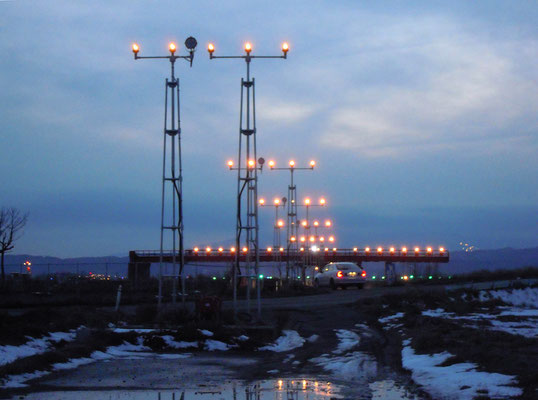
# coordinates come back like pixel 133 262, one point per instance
pixel 274 389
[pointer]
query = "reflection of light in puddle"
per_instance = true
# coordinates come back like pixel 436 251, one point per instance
pixel 281 389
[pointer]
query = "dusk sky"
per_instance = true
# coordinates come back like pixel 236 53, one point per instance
pixel 422 117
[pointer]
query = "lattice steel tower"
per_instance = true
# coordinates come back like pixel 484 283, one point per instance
pixel 172 178
pixel 247 178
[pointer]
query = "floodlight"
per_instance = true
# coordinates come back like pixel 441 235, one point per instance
pixel 191 43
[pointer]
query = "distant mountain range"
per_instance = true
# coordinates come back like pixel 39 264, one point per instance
pixel 460 262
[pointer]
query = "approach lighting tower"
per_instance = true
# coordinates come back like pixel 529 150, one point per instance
pixel 292 231
pixel 247 175
pixel 172 168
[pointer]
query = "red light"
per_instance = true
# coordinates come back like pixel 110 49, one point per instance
pixel 363 274
pixel 340 274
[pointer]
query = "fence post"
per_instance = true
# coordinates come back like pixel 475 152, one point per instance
pixel 118 298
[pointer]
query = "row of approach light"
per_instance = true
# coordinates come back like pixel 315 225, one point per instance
pixel 248 48
pixel 312 239
pixel 271 163
pixel 403 250
pixel 307 201
pixel 367 250
pixel 191 44
pixel 233 250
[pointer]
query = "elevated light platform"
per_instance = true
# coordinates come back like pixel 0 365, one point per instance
pixel 319 257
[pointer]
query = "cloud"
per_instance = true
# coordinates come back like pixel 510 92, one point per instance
pixel 276 111
pixel 469 90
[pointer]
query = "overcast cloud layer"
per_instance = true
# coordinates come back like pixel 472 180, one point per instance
pixel 422 118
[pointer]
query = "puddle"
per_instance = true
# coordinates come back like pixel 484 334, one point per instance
pixel 275 389
pixel 389 390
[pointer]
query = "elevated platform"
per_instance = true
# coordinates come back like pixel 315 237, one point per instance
pixel 320 257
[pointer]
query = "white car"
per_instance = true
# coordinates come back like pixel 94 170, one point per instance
pixel 341 274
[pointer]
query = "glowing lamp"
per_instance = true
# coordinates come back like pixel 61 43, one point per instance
pixel 251 163
pixel 339 274
pixel 232 250
pixel 429 249
pixel 304 223
pixel 322 238
pixel 367 250
pixel 331 238
pixel 307 201
pixel 280 223
pixel 316 223
pixel 302 249
pixel 172 48
pixel 261 201
pixel 392 250
pixel 136 48
pixel 276 202
pixel 303 239
pixel 196 249
pixel 292 163
pixel 245 249
pixel 269 249
pixel 211 48
pixel 312 238
pixel 312 164
pixel 328 223
pixel 285 47
pixel 221 249
pixel 208 249
pixel 271 164
pixel 404 250
pixel 230 164
pixel 282 249
pixel 417 250
pixel 334 248
pixel 380 250
pixel 248 47
pixel 441 249
pixel 322 201
pixel 292 239
pixel 355 249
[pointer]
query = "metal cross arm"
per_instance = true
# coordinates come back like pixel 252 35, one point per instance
pixel 190 44
pixel 248 49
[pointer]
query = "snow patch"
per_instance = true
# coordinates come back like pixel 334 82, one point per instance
pixel 242 338
pixel 347 340
pixel 390 318
pixel 33 346
pixel 353 366
pixel 517 297
pixel 312 338
pixel 457 381
pixel 170 342
pixel 206 332
pixel 136 330
pixel 212 345
pixel 288 341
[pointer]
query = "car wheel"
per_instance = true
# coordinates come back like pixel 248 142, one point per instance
pixel 360 286
pixel 333 286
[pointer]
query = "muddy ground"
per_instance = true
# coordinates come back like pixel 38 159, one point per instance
pixel 493 351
